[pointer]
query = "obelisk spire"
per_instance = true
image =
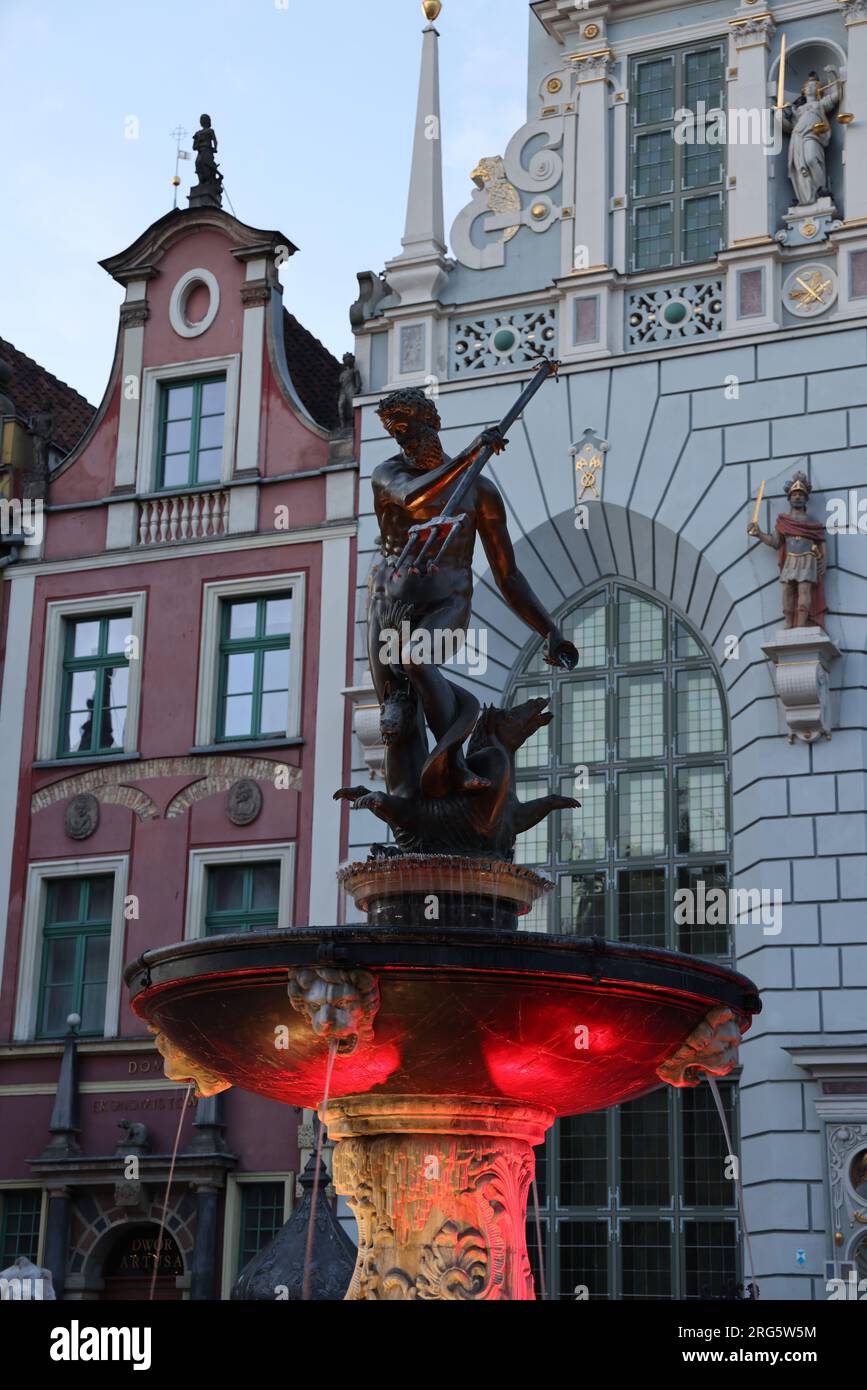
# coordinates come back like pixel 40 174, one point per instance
pixel 425 227
pixel 418 272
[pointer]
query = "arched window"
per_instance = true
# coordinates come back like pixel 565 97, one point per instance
pixel 635 1202
pixel 639 737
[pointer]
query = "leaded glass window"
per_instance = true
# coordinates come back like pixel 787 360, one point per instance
pixel 262 1207
pixel 634 1202
pixel 677 183
pixel 20 1218
pixel 639 738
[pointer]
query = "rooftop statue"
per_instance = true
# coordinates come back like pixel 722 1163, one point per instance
pixel 209 189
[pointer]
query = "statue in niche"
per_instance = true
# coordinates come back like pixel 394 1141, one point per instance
pixel 446 800
pixel 210 180
pixel 349 388
pixel 806 123
pixel 802 557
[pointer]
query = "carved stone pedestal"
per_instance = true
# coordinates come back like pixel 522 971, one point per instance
pixel 438 1185
pixel 801 658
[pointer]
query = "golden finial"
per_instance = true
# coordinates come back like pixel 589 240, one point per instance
pixel 431 10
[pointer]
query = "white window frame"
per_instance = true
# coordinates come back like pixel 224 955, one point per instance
pixel 9 1187
pixel 232 1217
pixel 213 596
pixel 203 859
pixel 152 379
pixel 56 614
pixel 38 876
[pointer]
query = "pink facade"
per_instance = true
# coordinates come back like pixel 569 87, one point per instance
pixel 172 560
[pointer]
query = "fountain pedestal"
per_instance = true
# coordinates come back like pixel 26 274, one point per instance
pixel 438 1186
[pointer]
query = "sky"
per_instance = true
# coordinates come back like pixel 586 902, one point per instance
pixel 313 102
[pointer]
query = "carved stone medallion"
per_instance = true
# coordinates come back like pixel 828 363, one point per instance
pixel 244 801
pixel 81 817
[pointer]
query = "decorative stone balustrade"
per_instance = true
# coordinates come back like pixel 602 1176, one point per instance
pixel 188 516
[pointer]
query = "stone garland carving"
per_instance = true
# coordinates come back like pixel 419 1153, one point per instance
pixel 711 1047
pixel 81 817
pixel 339 1005
pixel 400 1189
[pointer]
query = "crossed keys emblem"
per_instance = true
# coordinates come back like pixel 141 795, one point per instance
pixel 589 462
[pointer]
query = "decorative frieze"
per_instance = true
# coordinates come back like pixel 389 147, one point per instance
pixel 676 312
pixel 501 341
pixel 108 784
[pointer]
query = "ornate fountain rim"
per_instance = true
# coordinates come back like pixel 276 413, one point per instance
pixel 443 873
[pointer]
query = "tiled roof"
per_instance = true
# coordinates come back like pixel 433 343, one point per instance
pixel 315 373
pixel 31 385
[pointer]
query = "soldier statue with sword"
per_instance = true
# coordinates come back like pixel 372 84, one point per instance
pixel 430 509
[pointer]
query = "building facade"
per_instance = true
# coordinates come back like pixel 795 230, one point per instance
pixel 697 259
pixel 172 712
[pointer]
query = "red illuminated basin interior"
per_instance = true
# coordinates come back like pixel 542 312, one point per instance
pixel 470 1013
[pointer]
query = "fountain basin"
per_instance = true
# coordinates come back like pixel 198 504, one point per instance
pixel 566 1024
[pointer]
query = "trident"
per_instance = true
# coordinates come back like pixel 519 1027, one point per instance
pixel 444 528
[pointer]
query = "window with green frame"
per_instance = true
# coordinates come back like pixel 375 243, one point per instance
pixel 677 189
pixel 20 1217
pixel 76 938
pixel 262 1207
pixel 190 434
pixel 254 667
pixel 95 685
pixel 633 1201
pixel 242 897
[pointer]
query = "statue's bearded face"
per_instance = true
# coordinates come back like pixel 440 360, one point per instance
pixel 408 424
pixel 798 501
